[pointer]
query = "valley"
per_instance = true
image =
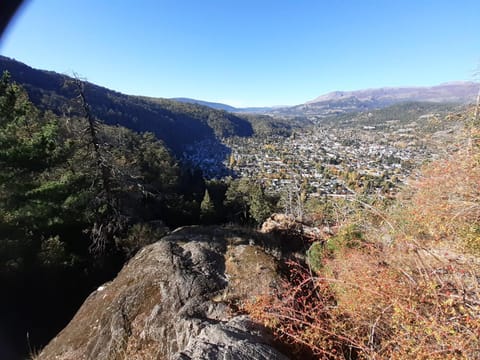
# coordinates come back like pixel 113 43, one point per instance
pixel 99 175
pixel 255 180
pixel 341 143
pixel 339 155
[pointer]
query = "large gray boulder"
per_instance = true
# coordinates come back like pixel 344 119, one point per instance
pixel 170 302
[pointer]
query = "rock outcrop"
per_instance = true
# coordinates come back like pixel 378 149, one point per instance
pixel 169 302
pixel 295 232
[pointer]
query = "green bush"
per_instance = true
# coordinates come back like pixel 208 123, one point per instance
pixel 349 236
pixel 315 255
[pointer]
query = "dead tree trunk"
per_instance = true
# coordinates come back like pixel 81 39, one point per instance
pixel 109 221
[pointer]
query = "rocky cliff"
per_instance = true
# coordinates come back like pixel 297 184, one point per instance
pixel 171 302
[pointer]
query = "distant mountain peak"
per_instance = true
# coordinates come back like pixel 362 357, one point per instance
pixel 454 91
pixel 459 83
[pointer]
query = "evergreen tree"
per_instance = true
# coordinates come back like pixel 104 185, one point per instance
pixel 261 205
pixel 207 209
pixel 247 202
pixel 31 190
pixel 237 200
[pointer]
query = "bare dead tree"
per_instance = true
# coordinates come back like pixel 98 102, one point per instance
pixel 295 198
pixel 92 131
pixel 110 220
pixel 477 105
pixel 473 140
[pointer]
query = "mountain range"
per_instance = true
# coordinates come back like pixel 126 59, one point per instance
pixel 340 102
pixel 337 102
pixel 183 121
pixel 457 92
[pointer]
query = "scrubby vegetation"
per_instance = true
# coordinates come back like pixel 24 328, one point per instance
pixel 397 279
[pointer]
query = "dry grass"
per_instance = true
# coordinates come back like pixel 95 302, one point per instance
pixel 446 203
pixel 371 304
pixel 416 296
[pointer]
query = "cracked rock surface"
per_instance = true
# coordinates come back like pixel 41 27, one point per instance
pixel 166 303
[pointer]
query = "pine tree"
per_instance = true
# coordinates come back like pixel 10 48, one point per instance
pixel 261 206
pixel 207 209
pixel 31 190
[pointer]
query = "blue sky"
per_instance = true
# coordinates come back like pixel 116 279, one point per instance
pixel 249 52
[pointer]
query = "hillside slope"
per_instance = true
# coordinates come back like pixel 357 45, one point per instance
pixel 177 124
pixel 396 278
pixel 214 105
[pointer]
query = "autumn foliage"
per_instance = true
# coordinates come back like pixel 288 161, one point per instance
pixel 410 289
pixel 446 202
pixel 369 310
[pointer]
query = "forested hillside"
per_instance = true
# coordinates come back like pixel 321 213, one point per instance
pixel 64 173
pixel 400 114
pixel 177 124
pixel 78 198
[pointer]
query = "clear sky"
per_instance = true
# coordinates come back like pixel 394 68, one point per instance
pixel 249 52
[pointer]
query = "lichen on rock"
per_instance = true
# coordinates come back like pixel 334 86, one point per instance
pixel 164 304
